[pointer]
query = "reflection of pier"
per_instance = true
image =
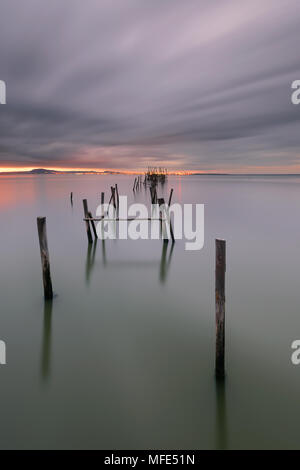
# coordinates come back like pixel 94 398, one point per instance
pixel 221 415
pixel 164 264
pixel 165 261
pixel 46 345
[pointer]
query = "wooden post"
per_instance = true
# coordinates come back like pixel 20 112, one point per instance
pixel 102 202
pixel 162 213
pixel 87 223
pixel 93 225
pixel 117 194
pixel 71 197
pixel 153 193
pixel 113 192
pixel 134 184
pixel 170 198
pixel 170 225
pixel 220 307
pixel 42 231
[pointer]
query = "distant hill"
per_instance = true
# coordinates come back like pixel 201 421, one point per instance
pixel 45 171
pixel 41 171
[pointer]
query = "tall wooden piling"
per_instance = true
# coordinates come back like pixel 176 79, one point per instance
pixel 102 203
pixel 42 232
pixel 162 216
pixel 93 225
pixel 170 198
pixel 220 308
pixel 87 223
pixel 71 198
pixel 117 194
pixel 113 194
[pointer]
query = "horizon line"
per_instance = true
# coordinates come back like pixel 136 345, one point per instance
pixel 104 171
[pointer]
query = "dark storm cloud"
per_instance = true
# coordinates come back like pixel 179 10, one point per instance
pixel 124 83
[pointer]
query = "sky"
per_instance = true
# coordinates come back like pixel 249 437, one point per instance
pixel 199 85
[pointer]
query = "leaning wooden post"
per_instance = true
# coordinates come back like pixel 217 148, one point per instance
pixel 42 231
pixel 113 193
pixel 93 225
pixel 170 198
pixel 87 223
pixel 220 307
pixel 102 203
pixel 163 223
pixel 117 194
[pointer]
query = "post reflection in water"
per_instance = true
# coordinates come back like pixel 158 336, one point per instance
pixel 46 344
pixel 164 265
pixel 103 252
pixel 165 261
pixel 90 260
pixel 221 415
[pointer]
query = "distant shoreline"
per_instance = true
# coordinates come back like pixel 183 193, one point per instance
pixel 41 171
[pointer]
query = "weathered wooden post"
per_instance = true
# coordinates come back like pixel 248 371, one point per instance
pixel 170 198
pixel 153 193
pixel 93 225
pixel 71 198
pixel 42 231
pixel 113 193
pixel 163 223
pixel 220 307
pixel 102 203
pixel 87 223
pixel 117 194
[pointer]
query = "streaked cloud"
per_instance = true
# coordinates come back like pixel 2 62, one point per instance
pixel 203 85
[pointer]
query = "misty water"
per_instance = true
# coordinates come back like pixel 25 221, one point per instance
pixel 124 356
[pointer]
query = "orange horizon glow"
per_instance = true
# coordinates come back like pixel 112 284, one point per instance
pixel 83 170
pixel 293 169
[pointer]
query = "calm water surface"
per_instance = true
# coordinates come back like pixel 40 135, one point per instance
pixel 124 356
